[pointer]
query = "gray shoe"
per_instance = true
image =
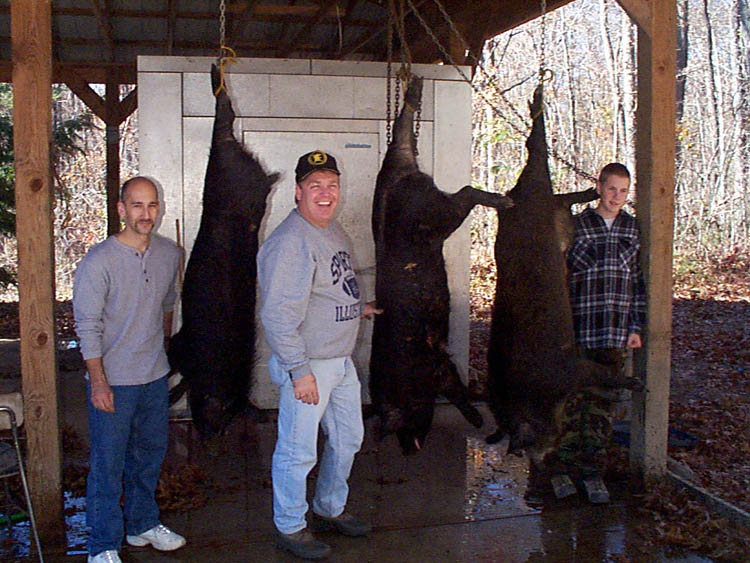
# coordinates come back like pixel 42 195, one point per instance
pixel 344 523
pixel 596 490
pixel 563 486
pixel 303 544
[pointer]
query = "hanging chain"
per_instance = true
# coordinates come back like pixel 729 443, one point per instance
pixel 483 96
pixel 222 27
pixel 389 49
pixel 543 43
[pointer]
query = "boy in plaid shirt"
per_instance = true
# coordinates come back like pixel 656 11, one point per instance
pixel 608 298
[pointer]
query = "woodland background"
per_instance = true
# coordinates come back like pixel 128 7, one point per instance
pixel 590 46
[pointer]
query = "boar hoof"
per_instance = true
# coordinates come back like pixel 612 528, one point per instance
pixel 495 438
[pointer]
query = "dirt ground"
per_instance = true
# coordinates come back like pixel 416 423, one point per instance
pixel 709 399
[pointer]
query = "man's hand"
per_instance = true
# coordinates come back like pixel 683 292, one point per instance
pixel 371 309
pixel 306 389
pixel 634 340
pixel 102 397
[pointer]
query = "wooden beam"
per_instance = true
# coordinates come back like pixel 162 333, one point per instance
pixel 655 168
pixel 105 23
pixel 112 138
pixel 31 32
pixel 639 11
pixel 94 101
pixel 289 46
pixel 171 24
pixel 128 105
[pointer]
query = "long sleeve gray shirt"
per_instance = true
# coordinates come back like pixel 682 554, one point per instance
pixel 120 296
pixel 310 301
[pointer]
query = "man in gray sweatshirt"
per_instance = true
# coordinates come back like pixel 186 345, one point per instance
pixel 310 311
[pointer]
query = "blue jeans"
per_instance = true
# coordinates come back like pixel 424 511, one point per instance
pixel 339 412
pixel 127 448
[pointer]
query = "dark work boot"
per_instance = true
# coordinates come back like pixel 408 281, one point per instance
pixel 596 490
pixel 563 486
pixel 303 544
pixel 345 524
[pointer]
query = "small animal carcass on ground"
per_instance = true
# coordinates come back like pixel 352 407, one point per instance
pixel 214 350
pixel 410 364
pixel 532 360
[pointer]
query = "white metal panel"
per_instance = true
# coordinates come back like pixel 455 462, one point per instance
pixel 249 93
pixel 375 69
pixel 312 96
pixel 370 99
pixel 453 171
pixel 160 140
pixel 239 66
pixel 310 125
pixel 197 132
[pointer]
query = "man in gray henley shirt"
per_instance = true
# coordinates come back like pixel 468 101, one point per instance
pixel 123 297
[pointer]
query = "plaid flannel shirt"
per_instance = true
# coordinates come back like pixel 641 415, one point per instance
pixel 607 291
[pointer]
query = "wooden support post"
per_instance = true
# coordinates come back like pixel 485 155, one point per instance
pixel 112 121
pixel 655 169
pixel 31 41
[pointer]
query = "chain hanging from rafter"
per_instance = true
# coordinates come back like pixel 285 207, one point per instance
pixel 397 18
pixel 227 55
pixel 495 109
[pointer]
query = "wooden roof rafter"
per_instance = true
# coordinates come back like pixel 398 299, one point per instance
pixel 105 24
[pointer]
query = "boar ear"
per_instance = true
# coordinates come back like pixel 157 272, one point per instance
pixel 215 78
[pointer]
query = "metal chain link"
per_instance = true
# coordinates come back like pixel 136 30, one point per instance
pixel 389 49
pixel 543 43
pixel 483 96
pixel 222 26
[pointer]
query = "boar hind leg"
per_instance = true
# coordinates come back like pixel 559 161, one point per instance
pixel 576 197
pixel 448 218
pixel 590 373
pixel 452 389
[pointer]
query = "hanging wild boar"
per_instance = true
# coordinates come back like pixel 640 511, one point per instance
pixel 410 364
pixel 531 356
pixel 214 350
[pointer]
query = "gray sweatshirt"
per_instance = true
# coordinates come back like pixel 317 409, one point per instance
pixel 310 302
pixel 120 296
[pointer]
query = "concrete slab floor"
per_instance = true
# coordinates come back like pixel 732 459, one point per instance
pixel 457 500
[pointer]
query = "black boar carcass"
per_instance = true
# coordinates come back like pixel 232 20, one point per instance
pixel 410 365
pixel 214 349
pixel 532 360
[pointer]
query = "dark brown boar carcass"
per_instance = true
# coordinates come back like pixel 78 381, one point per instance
pixel 410 365
pixel 215 347
pixel 531 355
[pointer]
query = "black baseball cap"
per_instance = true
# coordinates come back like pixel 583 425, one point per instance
pixel 312 161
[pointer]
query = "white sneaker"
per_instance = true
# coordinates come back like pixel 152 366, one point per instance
pixel 109 556
pixel 161 537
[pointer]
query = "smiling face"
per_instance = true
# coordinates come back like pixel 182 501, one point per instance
pixel 317 197
pixel 614 194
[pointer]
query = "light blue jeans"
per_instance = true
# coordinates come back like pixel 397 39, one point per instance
pixel 339 412
pixel 127 450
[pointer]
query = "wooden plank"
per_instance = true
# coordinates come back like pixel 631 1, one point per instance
pixel 112 105
pixel 639 11
pixel 81 88
pixel 128 105
pixel 657 51
pixel 32 122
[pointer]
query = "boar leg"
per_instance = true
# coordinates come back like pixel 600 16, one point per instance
pixel 591 374
pixel 452 389
pixel 576 197
pixel 447 218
